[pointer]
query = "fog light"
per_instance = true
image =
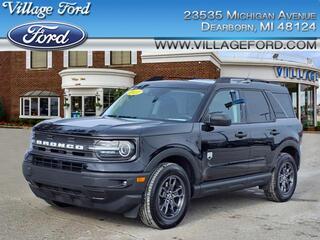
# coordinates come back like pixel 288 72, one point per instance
pixel 140 179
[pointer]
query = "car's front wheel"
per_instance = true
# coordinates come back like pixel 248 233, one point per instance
pixel 284 179
pixel 167 197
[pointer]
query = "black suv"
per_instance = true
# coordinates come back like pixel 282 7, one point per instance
pixel 165 142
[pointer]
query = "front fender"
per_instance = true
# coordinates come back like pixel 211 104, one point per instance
pixel 178 151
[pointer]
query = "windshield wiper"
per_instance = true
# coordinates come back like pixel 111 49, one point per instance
pixel 111 116
pixel 120 116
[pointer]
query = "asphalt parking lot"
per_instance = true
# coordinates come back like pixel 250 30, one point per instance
pixel 238 215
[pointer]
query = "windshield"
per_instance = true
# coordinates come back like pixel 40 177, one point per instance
pixel 157 103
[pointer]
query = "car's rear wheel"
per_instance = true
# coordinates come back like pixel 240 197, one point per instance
pixel 166 198
pixel 284 179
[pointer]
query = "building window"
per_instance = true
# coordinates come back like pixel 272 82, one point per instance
pixel 26 107
pixel 108 97
pixel 120 58
pixel 78 58
pixel 44 107
pixel 39 104
pixel 39 59
pixel 307 105
pixel 54 107
pixel 34 107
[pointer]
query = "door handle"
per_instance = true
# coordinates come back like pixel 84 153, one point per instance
pixel 274 132
pixel 240 134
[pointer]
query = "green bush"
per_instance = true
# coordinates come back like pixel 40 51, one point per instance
pixel 118 93
pixel 2 112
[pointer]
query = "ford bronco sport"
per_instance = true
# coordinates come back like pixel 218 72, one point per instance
pixel 165 142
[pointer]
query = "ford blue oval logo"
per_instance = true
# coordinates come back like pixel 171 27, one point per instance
pixel 47 35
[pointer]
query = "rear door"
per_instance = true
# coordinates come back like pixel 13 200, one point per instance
pixel 261 121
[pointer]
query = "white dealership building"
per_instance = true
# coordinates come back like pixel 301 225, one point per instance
pixel 301 79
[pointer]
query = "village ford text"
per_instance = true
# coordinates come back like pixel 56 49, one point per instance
pixel 41 12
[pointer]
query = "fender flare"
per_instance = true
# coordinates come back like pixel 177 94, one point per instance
pixel 287 143
pixel 171 151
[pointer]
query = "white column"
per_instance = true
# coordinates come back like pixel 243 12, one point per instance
pixel 65 59
pixel 315 105
pixel 134 57
pixel 28 59
pixel 107 58
pixel 67 110
pixel 90 59
pixel 100 94
pixel 49 55
pixel 299 103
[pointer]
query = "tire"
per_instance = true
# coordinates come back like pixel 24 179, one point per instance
pixel 284 179
pixel 166 198
pixel 57 204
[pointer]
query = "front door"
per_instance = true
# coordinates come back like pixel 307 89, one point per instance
pixel 83 106
pixel 89 106
pixel 76 106
pixel 226 149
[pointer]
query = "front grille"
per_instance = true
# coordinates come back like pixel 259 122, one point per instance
pixel 60 151
pixel 58 164
pixel 52 142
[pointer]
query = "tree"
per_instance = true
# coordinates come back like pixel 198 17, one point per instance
pixel 2 112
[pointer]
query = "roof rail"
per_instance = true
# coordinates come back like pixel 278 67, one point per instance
pixel 203 80
pixel 158 78
pixel 239 80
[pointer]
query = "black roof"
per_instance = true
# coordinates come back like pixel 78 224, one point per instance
pixel 225 81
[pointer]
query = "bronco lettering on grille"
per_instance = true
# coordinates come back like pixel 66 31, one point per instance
pixel 59 145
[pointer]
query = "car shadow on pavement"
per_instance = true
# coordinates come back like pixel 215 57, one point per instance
pixel 199 208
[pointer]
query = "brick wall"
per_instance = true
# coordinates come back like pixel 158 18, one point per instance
pixel 23 80
pixel 16 80
pixel 170 70
pixel 5 62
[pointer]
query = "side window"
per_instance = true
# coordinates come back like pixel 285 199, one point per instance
pixel 221 104
pixel 257 107
pixel 277 108
pixel 286 103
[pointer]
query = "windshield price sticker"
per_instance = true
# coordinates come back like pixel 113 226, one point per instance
pixel 134 92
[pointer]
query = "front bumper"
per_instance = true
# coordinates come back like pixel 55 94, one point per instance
pixel 113 192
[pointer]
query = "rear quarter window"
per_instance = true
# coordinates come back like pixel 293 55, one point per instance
pixel 282 105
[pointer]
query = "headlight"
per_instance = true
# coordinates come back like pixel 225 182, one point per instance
pixel 116 149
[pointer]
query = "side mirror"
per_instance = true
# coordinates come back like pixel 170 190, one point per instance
pixel 218 119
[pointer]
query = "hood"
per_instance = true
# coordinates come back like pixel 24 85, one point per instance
pixel 108 126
